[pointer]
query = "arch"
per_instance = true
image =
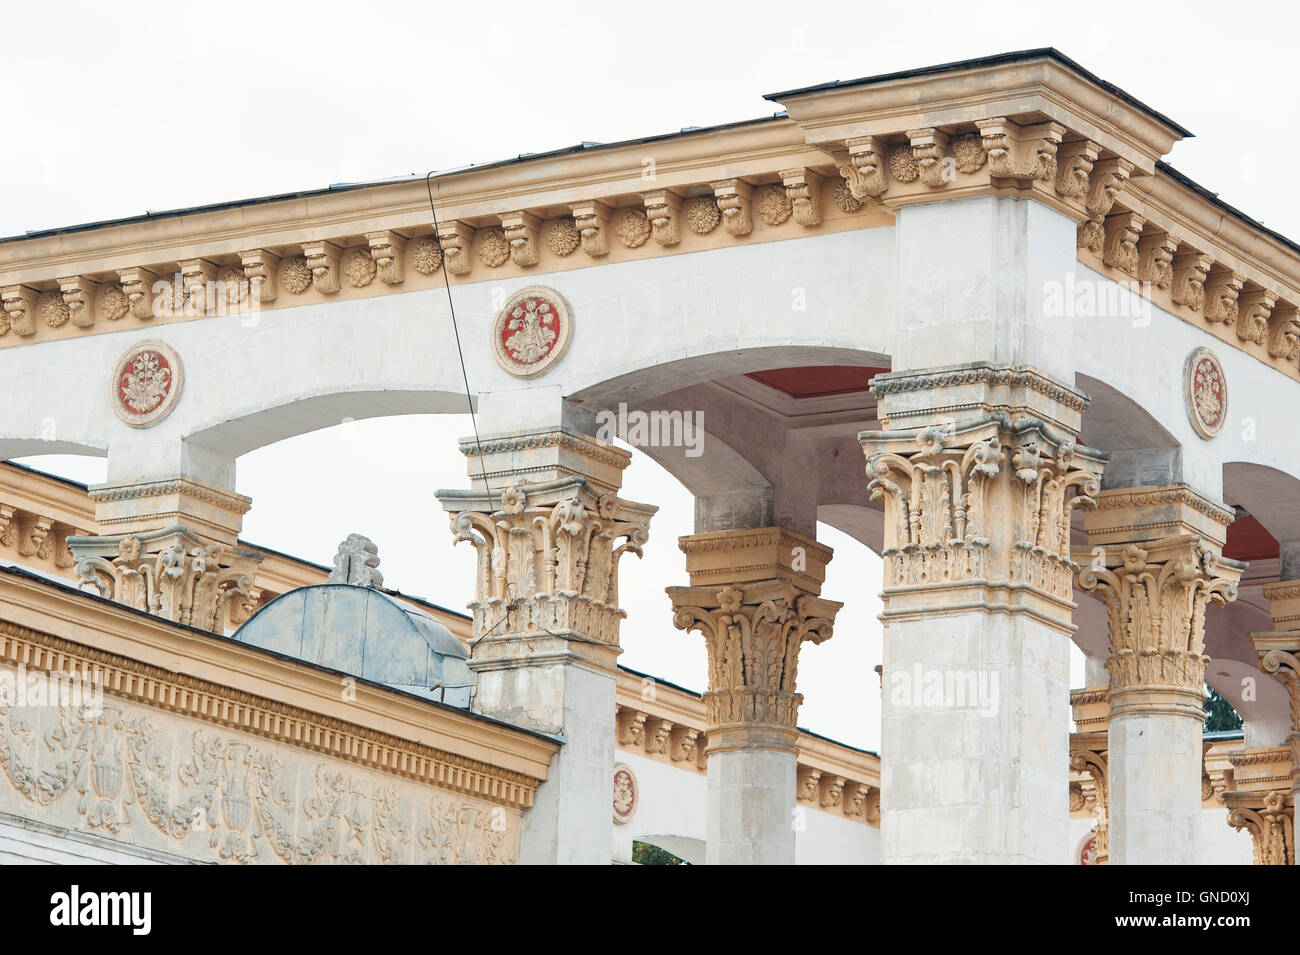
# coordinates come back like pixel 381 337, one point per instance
pixel 1271 495
pixel 246 429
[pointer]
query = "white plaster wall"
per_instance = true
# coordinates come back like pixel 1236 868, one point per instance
pixel 1220 843
pixel 672 803
pixel 831 840
pixel 395 353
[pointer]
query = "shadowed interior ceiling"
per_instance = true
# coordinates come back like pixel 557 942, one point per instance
pixel 818 381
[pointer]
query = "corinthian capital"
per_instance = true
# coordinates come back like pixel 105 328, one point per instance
pixel 171 573
pixel 548 556
pixel 1156 564
pixel 755 598
pixel 979 507
pixel 1271 824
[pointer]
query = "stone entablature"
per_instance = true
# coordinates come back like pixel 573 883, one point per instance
pixel 668 724
pixel 252 758
pixel 845 157
pixel 279 700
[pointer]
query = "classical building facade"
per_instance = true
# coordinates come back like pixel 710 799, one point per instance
pixel 966 314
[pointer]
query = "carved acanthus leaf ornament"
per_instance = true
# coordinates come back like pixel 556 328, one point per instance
pixel 938 483
pixel 551 566
pixel 171 573
pixel 1156 597
pixel 753 636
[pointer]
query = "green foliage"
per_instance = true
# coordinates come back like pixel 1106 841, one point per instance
pixel 1219 714
pixel 645 854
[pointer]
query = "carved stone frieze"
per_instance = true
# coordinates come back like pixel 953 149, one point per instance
pixel 159 781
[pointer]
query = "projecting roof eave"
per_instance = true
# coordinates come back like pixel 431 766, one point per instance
pixel 1041 83
pixel 999 59
pixel 437 175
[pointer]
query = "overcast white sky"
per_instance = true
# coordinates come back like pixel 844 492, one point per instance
pixel 115 109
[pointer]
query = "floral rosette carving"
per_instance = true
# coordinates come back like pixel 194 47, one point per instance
pixel 902 164
pixel 562 236
pixel 842 196
pixel 426 255
pixel 633 228
pixel 492 246
pixel 54 311
pixel 359 267
pixel 233 284
pixel 773 205
pixel 702 214
pixel 295 275
pixel 113 303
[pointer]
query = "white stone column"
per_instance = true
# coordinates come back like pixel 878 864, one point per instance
pixel 549 529
pixel 755 598
pixel 1156 561
pixel 979 473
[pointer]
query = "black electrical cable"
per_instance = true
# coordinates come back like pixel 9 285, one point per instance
pixel 469 395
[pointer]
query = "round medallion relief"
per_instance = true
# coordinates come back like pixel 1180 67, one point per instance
pixel 146 383
pixel 532 331
pixel 1206 391
pixel 1086 854
pixel 626 794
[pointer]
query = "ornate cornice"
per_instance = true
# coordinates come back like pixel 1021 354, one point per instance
pixel 590 448
pixel 189 487
pixel 1172 494
pixel 903 382
pixel 225 706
